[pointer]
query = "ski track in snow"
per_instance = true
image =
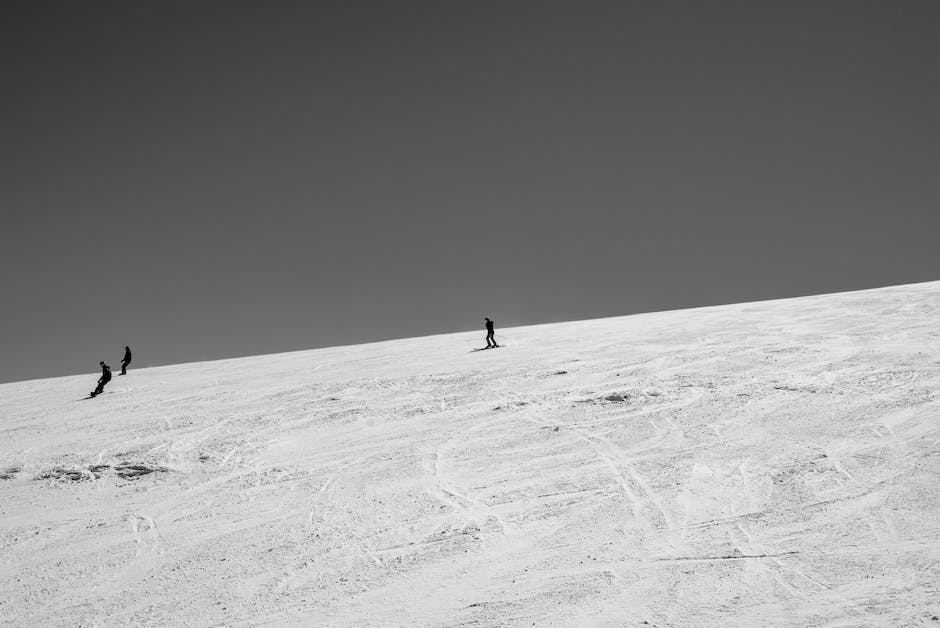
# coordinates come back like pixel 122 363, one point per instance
pixel 769 463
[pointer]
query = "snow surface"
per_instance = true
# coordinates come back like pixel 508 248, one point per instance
pixel 768 463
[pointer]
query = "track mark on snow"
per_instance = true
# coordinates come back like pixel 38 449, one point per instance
pixel 617 462
pixel 471 513
pixel 734 556
pixel 313 516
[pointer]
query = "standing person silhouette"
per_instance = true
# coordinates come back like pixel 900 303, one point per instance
pixel 104 379
pixel 490 334
pixel 126 360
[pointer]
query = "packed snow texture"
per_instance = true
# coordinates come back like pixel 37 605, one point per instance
pixel 769 463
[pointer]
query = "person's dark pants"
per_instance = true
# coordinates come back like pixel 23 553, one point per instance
pixel 491 339
pixel 101 383
pixel 124 367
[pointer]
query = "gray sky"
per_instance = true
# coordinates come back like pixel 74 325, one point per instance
pixel 214 179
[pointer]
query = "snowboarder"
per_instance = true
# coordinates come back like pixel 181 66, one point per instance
pixel 105 378
pixel 490 335
pixel 126 360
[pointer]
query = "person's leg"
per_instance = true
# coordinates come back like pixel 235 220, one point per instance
pixel 123 368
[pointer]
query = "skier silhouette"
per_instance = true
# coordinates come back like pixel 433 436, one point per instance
pixel 490 334
pixel 126 360
pixel 105 378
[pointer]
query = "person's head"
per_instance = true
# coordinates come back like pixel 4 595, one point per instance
pixel 127 348
pixel 101 363
pixel 486 318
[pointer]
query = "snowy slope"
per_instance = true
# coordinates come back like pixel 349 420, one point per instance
pixel 769 463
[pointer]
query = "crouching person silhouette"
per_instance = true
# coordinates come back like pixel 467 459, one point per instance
pixel 104 379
